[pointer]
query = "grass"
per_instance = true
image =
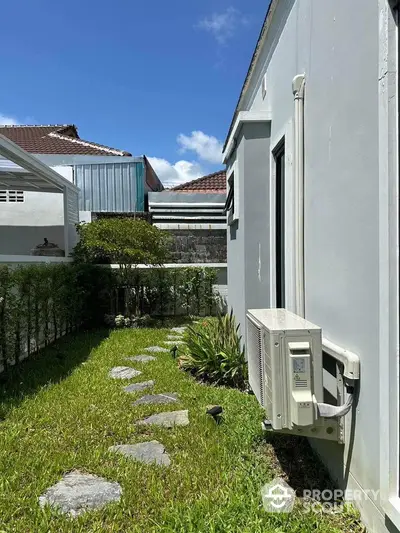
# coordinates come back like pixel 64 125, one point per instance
pixel 61 411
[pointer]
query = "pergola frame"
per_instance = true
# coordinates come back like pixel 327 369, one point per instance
pixel 22 171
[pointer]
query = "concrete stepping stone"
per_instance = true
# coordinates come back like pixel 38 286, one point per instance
pixel 146 452
pixel 167 420
pixel 136 387
pixel 174 338
pixel 77 492
pixel 166 397
pixel 173 343
pixel 123 372
pixel 179 330
pixel 141 358
pixel 156 349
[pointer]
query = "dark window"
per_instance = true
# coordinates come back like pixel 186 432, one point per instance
pixel 230 199
pixel 279 156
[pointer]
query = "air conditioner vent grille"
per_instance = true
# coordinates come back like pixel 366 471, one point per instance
pixel 256 365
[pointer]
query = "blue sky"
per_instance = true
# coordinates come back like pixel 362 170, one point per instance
pixel 151 77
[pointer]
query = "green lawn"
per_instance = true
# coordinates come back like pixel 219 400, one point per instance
pixel 62 412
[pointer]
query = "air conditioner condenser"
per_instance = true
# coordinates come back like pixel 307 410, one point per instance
pixel 285 372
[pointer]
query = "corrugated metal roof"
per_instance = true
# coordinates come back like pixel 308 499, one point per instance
pixel 110 187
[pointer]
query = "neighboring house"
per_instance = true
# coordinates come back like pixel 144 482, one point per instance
pixel 313 212
pixel 20 173
pixel 193 214
pixel 111 181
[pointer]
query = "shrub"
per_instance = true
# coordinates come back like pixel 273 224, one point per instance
pixel 127 242
pixel 216 353
pixel 39 303
pixel 169 292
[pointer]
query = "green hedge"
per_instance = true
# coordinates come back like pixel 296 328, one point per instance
pixel 169 292
pixel 39 303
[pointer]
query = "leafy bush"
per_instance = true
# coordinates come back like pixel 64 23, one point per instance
pixel 122 240
pixel 216 353
pixel 169 292
pixel 127 242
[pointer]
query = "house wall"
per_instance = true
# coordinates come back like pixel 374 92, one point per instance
pixel 336 45
pixel 110 187
pixel 24 225
pixel 107 185
pixel 196 222
pixel 248 241
pixel 198 246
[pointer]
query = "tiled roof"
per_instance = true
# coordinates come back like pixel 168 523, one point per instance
pixel 55 139
pixel 215 182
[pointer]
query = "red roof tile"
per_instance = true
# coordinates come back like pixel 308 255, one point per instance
pixel 55 139
pixel 215 182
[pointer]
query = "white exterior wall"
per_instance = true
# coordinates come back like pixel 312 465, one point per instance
pixel 24 225
pixel 340 47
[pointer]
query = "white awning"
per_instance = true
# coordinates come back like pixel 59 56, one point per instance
pixel 20 170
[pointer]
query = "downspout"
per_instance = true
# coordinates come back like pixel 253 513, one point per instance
pixel 298 86
pixel 350 360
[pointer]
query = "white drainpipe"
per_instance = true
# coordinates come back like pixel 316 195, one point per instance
pixel 298 86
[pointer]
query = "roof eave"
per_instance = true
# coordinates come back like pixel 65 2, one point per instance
pixel 261 38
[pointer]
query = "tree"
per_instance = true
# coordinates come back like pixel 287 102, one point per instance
pixel 127 242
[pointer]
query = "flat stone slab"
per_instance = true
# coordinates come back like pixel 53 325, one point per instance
pixel 166 397
pixel 123 372
pixel 141 358
pixel 174 338
pixel 77 492
pixel 179 330
pixel 167 420
pixel 156 349
pixel 146 452
pixel 173 343
pixel 135 387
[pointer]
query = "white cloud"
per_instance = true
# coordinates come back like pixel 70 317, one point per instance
pixel 223 26
pixel 207 147
pixel 172 174
pixel 7 121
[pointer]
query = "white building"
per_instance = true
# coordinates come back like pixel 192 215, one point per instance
pixel 20 174
pixel 312 157
pixel 110 181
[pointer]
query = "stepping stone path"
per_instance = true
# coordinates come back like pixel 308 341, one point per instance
pixel 145 452
pixel 179 330
pixel 135 387
pixel 167 420
pixel 141 358
pixel 173 343
pixel 167 397
pixel 78 492
pixel 123 372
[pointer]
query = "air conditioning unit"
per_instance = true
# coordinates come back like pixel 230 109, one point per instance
pixel 285 372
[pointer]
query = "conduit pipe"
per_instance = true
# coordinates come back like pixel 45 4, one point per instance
pixel 298 87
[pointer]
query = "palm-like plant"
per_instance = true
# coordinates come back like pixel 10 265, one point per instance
pixel 215 352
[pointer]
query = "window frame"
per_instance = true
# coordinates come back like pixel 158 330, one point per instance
pixel 279 155
pixel 232 181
